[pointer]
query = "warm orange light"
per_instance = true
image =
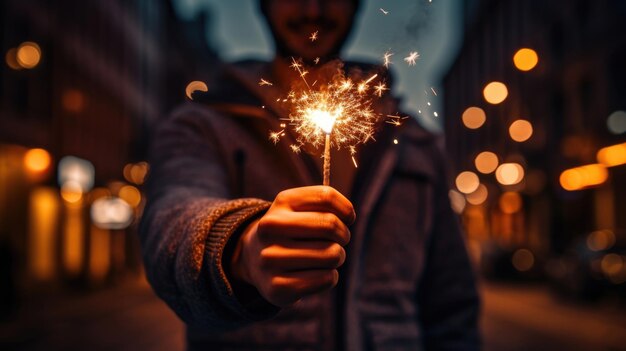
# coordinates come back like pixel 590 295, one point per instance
pixel 195 85
pixel 614 267
pixel 486 162
pixel 478 196
pixel 495 92
pixel 583 177
pixel 510 202
pixel 42 233
pixel 37 160
pixel 611 156
pixel 509 173
pixel 99 254
pixel 28 54
pixel 457 201
pixel 130 194
pixel 467 182
pixel 72 192
pixel 600 240
pixel 11 59
pixel 521 130
pixel 525 59
pixel 523 260
pixel 73 100
pixel 474 117
pixel 136 173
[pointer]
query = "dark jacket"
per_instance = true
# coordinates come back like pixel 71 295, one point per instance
pixel 407 282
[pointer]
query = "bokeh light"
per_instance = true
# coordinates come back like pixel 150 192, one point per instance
pixel 611 156
pixel 523 260
pixel 583 177
pixel 479 195
pixel 510 202
pixel 525 59
pixel 136 172
pixel 617 122
pixel 474 117
pixel 509 173
pixel 11 59
pixel 486 162
pixel 111 213
pixel 28 54
pixel 457 201
pixel 131 195
pixel 467 182
pixel 495 92
pixel 601 240
pixel 521 130
pixel 72 192
pixel 614 267
pixel 195 85
pixel 37 160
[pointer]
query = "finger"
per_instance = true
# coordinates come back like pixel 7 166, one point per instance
pixel 290 287
pixel 302 256
pixel 303 226
pixel 319 198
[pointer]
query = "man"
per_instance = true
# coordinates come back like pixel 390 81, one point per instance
pixel 246 249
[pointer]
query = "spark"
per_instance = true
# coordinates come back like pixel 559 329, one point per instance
pixel 395 120
pixel 413 56
pixel 265 82
pixel 433 90
pixel 383 11
pixel 313 36
pixel 387 58
pixel 354 161
pixel 295 64
pixel 371 78
pixel 295 148
pixel 380 88
pixel 317 60
pixel 395 141
pixel 275 136
pixel 339 108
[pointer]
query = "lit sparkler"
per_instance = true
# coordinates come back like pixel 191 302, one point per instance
pixel 336 114
pixel 413 56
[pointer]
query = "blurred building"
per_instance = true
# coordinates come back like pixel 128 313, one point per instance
pixel 87 79
pixel 552 109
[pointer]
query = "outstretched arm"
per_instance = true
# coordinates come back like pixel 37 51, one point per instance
pixel 188 222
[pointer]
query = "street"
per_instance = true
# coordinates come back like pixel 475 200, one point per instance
pixel 131 317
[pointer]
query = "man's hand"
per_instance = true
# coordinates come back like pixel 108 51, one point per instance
pixel 295 249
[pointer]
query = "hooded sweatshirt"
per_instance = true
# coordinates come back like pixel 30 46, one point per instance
pixel 407 283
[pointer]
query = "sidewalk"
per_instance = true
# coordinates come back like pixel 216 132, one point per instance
pixel 519 317
pixel 132 316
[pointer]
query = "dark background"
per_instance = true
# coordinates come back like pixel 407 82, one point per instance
pixel 91 79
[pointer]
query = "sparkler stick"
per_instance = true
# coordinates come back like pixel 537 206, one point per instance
pixel 327 160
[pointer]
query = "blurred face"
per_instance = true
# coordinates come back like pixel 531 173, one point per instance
pixel 294 22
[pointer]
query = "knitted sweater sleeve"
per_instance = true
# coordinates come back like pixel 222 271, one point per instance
pixel 188 222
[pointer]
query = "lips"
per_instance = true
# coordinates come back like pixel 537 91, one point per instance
pixel 308 26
